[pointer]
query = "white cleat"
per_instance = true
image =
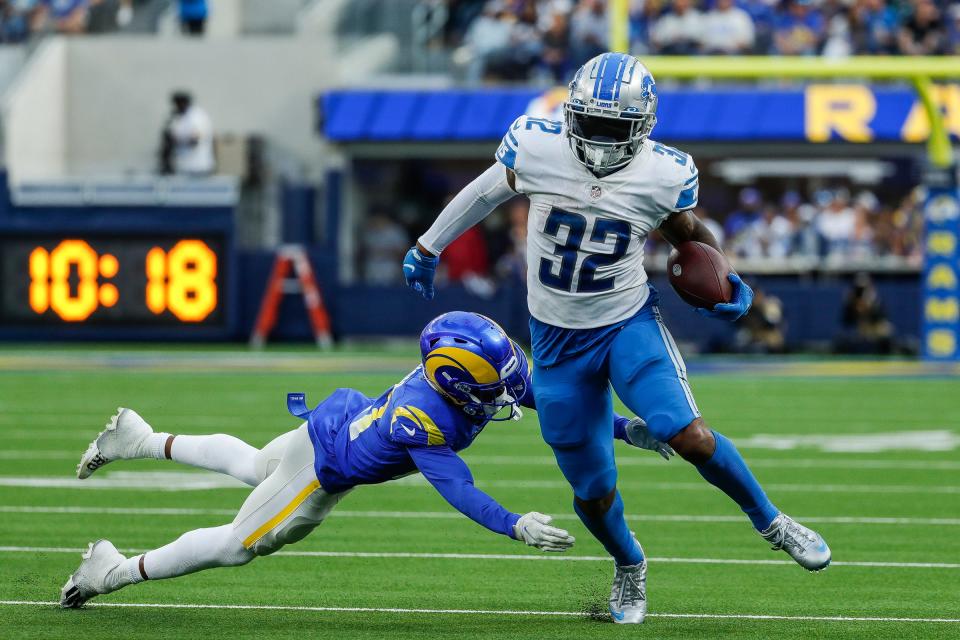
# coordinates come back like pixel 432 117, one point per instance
pixel 125 438
pixel 91 577
pixel 804 545
pixel 628 595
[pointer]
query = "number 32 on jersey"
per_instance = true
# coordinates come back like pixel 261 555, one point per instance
pixel 559 272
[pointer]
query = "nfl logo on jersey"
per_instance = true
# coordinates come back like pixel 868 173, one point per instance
pixel 595 192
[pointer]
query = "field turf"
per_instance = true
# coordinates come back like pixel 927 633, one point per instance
pixel 394 561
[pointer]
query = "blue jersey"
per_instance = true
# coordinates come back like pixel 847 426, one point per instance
pixel 408 428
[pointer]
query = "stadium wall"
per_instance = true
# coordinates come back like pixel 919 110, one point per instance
pixel 250 85
pixel 34 113
pixel 95 106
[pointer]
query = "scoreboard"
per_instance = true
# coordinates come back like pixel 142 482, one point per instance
pixel 150 259
pixel 111 280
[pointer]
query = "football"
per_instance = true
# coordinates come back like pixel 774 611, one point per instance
pixel 698 273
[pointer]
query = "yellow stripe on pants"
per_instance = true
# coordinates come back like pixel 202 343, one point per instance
pixel 280 517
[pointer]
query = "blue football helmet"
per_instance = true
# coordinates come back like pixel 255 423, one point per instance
pixel 472 362
pixel 610 112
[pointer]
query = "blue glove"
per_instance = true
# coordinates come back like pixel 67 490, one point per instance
pixel 419 269
pixel 739 303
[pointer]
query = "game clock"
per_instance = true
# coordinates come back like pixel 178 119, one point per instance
pixel 106 281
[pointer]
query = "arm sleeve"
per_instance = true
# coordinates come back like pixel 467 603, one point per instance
pixel 620 427
pixel 451 477
pixel 470 206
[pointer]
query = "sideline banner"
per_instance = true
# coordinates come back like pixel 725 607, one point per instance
pixel 940 327
pixel 858 113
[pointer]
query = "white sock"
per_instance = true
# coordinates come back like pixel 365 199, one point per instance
pixel 155 445
pixel 127 572
pixel 219 452
pixel 194 551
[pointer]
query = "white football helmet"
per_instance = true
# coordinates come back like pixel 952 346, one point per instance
pixel 611 110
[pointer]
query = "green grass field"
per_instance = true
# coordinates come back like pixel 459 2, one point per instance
pixel 891 512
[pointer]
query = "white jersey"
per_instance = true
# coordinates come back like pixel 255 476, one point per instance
pixel 585 234
pixel 192 134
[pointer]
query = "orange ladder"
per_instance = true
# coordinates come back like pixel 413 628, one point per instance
pixel 292 257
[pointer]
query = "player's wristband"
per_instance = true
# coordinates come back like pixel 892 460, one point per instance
pixel 428 260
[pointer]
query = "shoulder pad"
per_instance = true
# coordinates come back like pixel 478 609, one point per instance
pixel 679 176
pixel 510 145
pixel 411 426
pixel 518 137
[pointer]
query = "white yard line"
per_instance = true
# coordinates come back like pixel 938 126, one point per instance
pixel 183 481
pixel 214 424
pixel 129 481
pixel 638 460
pixel 453 515
pixel 26 454
pixel 833 462
pixel 522 557
pixel 704 486
pixel 494 612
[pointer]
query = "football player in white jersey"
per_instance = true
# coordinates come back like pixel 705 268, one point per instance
pixel 597 186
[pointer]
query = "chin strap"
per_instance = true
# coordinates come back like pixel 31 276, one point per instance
pixel 594 157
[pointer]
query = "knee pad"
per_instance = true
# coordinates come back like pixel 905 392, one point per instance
pixel 237 555
pixel 264 546
pixel 293 530
pixel 595 485
pixel 299 524
pixel 559 426
pixel 560 439
pixel 590 477
pixel 226 550
pixel 664 426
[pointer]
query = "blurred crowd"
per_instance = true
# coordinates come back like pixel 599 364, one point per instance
pixel 768 231
pixel 521 40
pixel 484 257
pixel 22 19
pixel 831 226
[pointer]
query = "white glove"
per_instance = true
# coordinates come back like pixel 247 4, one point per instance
pixel 639 436
pixel 534 529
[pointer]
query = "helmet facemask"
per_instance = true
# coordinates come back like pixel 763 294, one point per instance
pixel 606 142
pixel 488 402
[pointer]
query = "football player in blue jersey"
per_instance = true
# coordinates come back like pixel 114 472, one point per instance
pixel 471 374
pixel 598 185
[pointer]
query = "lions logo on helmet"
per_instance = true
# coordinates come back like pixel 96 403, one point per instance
pixel 611 111
pixel 471 361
